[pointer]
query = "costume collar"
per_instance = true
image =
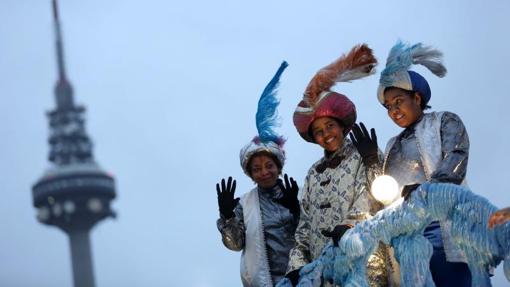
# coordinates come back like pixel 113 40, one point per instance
pixel 333 160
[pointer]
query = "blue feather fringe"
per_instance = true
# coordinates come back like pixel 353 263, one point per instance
pixel 402 226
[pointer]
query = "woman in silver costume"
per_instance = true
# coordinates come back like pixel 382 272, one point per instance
pixel 335 194
pixel 433 147
pixel 262 222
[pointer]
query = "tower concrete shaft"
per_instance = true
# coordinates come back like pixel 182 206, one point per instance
pixel 81 256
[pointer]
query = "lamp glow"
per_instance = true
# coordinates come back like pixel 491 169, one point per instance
pixel 385 189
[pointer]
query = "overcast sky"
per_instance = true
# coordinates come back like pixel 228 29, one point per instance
pixel 171 89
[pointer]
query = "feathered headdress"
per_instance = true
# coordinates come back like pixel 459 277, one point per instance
pixel 401 58
pixel 319 101
pixel 266 119
pixel 359 63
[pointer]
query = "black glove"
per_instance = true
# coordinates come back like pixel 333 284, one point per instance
pixel 365 144
pixel 290 194
pixel 406 191
pixel 226 201
pixel 294 276
pixel 337 233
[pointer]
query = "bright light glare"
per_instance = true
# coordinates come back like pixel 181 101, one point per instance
pixel 385 189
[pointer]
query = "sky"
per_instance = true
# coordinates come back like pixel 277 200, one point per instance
pixel 171 89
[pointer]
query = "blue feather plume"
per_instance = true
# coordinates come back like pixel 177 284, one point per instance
pixel 402 56
pixel 266 112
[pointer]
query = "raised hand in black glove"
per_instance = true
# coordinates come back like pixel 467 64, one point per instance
pixel 226 200
pixel 290 194
pixel 337 232
pixel 365 144
pixel 407 190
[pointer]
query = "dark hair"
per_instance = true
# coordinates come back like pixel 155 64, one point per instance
pixel 266 153
pixel 423 105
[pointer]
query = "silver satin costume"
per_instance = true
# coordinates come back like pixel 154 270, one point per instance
pixel 442 137
pixel 278 225
pixel 404 163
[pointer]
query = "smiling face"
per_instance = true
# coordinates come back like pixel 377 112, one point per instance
pixel 264 170
pixel 328 133
pixel 403 106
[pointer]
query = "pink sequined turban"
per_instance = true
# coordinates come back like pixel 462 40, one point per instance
pixel 329 104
